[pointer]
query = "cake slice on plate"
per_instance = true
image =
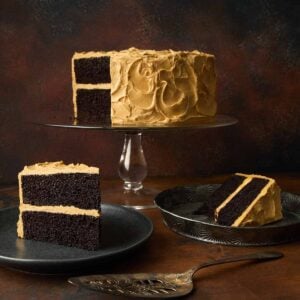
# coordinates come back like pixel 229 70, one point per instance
pixel 246 200
pixel 60 204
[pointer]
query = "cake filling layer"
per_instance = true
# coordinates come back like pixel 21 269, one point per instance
pixel 98 86
pixel 234 208
pixel 69 210
pixel 61 189
pixel 80 231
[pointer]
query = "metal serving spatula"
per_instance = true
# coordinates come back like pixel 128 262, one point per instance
pixel 157 285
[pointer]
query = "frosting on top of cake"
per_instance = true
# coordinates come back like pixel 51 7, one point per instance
pixel 135 52
pixel 47 168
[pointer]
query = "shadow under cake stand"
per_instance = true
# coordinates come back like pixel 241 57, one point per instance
pixel 133 165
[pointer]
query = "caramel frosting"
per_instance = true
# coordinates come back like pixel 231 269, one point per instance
pixel 161 86
pixel 264 209
pixel 156 87
pixel 47 168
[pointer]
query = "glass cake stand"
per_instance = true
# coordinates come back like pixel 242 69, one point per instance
pixel 133 165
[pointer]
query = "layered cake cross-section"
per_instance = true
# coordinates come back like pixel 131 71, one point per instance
pixel 148 87
pixel 60 204
pixel 246 200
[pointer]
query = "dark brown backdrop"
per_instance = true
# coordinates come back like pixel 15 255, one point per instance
pixel 258 76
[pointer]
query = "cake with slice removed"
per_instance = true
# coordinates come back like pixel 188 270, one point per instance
pixel 143 87
pixel 60 204
pixel 246 200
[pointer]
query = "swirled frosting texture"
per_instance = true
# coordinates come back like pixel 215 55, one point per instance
pixel 168 86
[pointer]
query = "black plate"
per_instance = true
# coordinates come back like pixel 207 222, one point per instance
pixel 184 211
pixel 123 230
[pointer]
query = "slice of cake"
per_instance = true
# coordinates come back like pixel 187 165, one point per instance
pixel 143 86
pixel 60 204
pixel 246 200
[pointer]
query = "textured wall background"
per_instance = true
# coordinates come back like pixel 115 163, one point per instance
pixel 255 43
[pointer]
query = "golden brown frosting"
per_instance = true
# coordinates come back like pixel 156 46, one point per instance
pixel 152 87
pixel 161 86
pixel 47 168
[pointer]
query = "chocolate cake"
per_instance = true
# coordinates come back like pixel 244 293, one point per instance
pixel 93 105
pixel 60 204
pixel 246 200
pixel 143 86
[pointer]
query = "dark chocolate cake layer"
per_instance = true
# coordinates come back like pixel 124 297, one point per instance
pixel 70 230
pixel 92 70
pixel 224 191
pixel 241 201
pixel 94 105
pixel 78 189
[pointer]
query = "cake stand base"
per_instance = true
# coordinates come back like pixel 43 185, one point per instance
pixel 142 199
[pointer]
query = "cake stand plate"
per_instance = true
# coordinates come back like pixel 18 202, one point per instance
pixel 123 230
pixel 133 165
pixel 184 211
pixel 194 123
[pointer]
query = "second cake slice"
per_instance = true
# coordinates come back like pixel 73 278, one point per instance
pixel 246 200
pixel 60 204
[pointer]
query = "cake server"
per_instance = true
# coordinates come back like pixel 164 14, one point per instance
pixel 158 285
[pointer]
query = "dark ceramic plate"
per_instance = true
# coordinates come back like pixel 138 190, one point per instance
pixel 184 211
pixel 123 230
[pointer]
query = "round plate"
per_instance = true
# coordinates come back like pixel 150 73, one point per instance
pixel 184 210
pixel 122 231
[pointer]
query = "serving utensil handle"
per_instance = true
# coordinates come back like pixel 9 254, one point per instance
pixel 266 255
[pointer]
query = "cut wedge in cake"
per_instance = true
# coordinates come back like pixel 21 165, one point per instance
pixel 246 200
pixel 60 204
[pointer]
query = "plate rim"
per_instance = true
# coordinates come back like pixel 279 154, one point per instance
pixel 54 261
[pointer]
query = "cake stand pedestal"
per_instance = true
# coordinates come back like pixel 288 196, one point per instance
pixel 133 165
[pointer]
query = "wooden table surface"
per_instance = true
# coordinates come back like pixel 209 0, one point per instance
pixel 167 251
